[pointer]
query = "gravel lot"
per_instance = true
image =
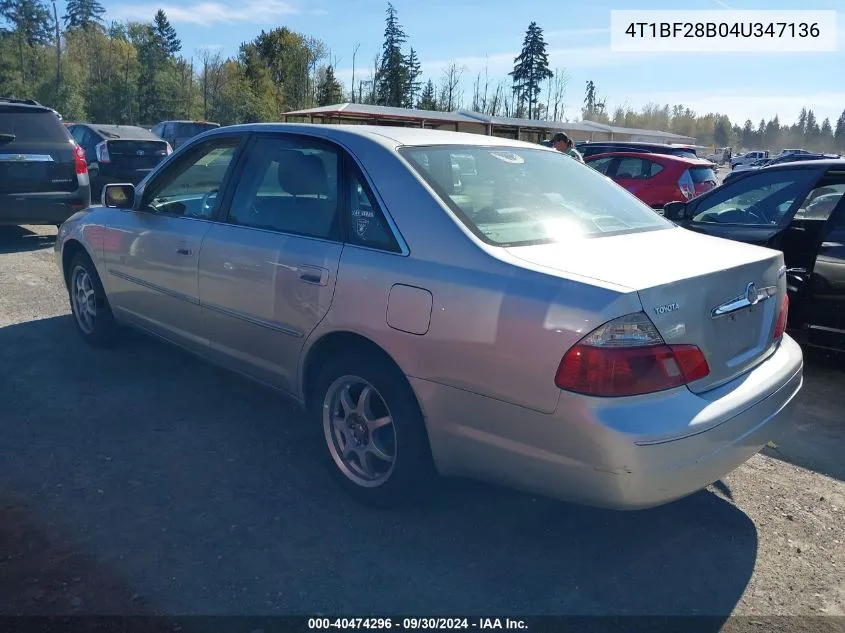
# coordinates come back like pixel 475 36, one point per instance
pixel 144 481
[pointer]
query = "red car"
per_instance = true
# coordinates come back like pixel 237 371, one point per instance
pixel 656 178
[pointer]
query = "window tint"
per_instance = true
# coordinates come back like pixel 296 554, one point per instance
pixel 821 202
pixel 702 174
pixel 78 134
pixel 637 169
pixel 290 186
pixel 189 187
pixel 601 164
pixel 192 129
pixel 530 196
pixel 761 199
pixel 366 225
pixel 31 127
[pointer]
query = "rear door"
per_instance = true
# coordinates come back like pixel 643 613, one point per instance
pixel 36 154
pixel 267 270
pixel 825 313
pixel 637 176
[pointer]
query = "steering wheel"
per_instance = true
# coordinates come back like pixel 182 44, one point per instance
pixel 758 214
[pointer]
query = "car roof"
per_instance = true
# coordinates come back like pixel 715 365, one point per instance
pixel 819 163
pixel 669 158
pixel 390 136
pixel 634 144
pixel 121 131
pixel 23 105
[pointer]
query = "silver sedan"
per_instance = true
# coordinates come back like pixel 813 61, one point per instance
pixel 453 304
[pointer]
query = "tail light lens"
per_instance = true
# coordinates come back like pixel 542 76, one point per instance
pixel 79 160
pixel 686 185
pixel 103 152
pixel 169 150
pixel 783 315
pixel 628 357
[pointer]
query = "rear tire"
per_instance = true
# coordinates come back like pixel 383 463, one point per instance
pixel 88 303
pixel 373 432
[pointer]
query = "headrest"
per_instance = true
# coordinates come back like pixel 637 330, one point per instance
pixel 302 174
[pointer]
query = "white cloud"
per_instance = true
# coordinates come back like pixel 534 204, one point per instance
pixel 207 13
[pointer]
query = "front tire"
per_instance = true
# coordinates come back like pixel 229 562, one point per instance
pixel 373 431
pixel 88 303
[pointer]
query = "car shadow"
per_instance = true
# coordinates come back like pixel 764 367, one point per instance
pixel 206 494
pixel 816 438
pixel 18 239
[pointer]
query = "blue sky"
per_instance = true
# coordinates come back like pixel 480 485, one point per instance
pixel 474 33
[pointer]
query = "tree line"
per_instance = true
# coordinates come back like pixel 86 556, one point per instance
pixel 137 72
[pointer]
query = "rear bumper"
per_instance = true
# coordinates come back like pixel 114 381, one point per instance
pixel 626 453
pixel 42 208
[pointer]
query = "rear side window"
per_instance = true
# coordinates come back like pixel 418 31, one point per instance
pixel 702 174
pixel 30 127
pixel 192 129
pixel 637 169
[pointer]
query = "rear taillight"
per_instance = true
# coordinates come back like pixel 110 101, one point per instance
pixel 169 150
pixel 79 160
pixel 628 357
pixel 783 315
pixel 103 152
pixel 686 185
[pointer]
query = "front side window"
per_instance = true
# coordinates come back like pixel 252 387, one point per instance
pixel 189 187
pixel 291 186
pixel 601 165
pixel 762 199
pixel 529 196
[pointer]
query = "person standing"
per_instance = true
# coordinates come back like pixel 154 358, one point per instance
pixel 562 143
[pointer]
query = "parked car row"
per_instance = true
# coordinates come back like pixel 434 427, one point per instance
pixel 49 169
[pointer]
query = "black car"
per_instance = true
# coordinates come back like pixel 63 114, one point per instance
pixel 43 173
pixel 118 153
pixel 795 207
pixel 604 147
pixel 788 158
pixel 178 132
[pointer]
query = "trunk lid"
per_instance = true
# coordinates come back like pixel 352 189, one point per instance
pixel 136 155
pixel 36 153
pixel 682 278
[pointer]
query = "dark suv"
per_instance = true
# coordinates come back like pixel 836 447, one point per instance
pixel 43 172
pixel 606 147
pixel 118 153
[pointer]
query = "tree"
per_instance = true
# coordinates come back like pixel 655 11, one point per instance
pixel 32 26
pixel 428 97
pixel 561 80
pixel 393 73
pixel 81 14
pixel 329 90
pixel 839 133
pixel 450 94
pixel 165 34
pixel 722 132
pixel 413 71
pixel 531 69
pixel 594 108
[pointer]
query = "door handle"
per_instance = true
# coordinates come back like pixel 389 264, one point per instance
pixel 184 251
pixel 313 275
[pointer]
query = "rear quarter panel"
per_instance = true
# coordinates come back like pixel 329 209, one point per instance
pixel 497 328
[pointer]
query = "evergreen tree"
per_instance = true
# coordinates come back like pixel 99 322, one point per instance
pixel 329 90
pixel 392 77
pixel 748 134
pixel 428 97
pixel 826 134
pixel 31 20
pixel 531 69
pixel 165 34
pixel 83 13
pixel 594 107
pixel 801 126
pixel 839 132
pixel 811 130
pixel 412 84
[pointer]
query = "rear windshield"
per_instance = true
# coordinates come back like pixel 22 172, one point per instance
pixel 684 153
pixel 514 197
pixel 192 129
pixel 30 127
pixel 702 174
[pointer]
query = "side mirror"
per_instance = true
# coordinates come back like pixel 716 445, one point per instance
pixel 675 211
pixel 119 196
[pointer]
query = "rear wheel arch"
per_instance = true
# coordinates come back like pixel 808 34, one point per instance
pixel 333 344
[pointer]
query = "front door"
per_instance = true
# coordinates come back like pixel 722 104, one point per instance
pixel 267 270
pixel 152 252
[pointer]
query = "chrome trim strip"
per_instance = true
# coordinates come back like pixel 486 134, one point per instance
pixel 153 287
pixel 26 158
pixel 270 325
pixel 751 297
pixel 823 328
